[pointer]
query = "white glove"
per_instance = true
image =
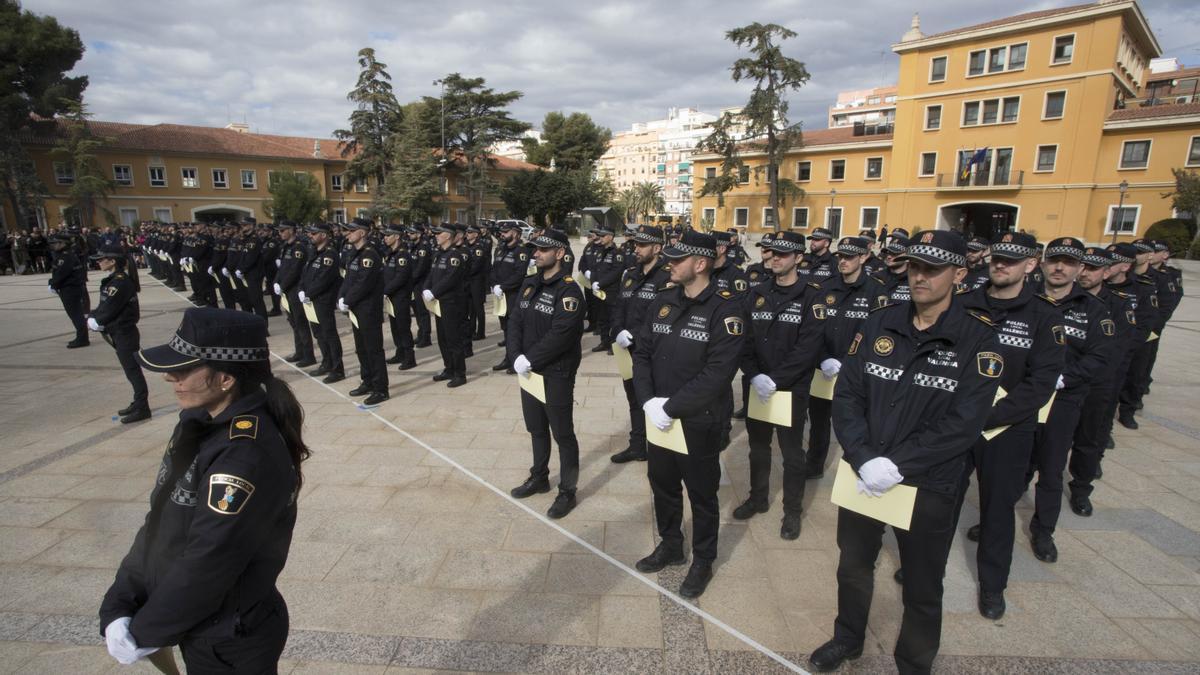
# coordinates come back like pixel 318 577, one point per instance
pixel 121 644
pixel 497 291
pixel 225 272
pixel 210 271
pixel 302 297
pixel 625 339
pixel 427 295
pixel 279 262
pixel 93 326
pixel 239 275
pixel 864 490
pixel 830 368
pixel 763 385
pixel 595 286
pixel 342 306
pixel 588 274
pixel 278 289
pixel 1060 384
pixel 522 366
pixel 658 416
pixel 51 289
pixel 879 475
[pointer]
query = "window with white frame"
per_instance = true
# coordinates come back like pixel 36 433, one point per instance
pixel 163 214
pixel 220 179
pixel 158 176
pixel 833 220
pixel 123 175
pixel 360 185
pixel 768 218
pixel 709 215
pixel 741 216
pixel 335 182
pixel 460 187
pixel 460 215
pixel 1056 103
pixel 991 111
pixel 1047 157
pixel 1064 50
pixel 803 171
pixel 128 215
pixel 1001 59
pixel 976 61
pixel 933 117
pixel 1122 219
pixel 869 217
pixel 937 69
pixel 64 174
pixel 744 173
pixel 339 216
pixel 249 179
pixel 928 164
pixel 874 168
pixel 188 176
pixel 799 216
pixel 837 169
pixel 1135 154
pixel 994 167
pixel 710 172
pixel 1193 155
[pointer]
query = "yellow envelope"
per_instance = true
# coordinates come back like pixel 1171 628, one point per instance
pixel 283 302
pixel 777 409
pixel 236 282
pixel 310 312
pixel 534 384
pixel 353 320
pixel 989 434
pixel 671 439
pixel 1044 413
pixel 600 295
pixel 531 270
pixel 388 307
pixel 1153 337
pixel 216 277
pixel 502 305
pixel 895 507
pixel 342 273
pixel 821 387
pixel 434 306
pixel 624 362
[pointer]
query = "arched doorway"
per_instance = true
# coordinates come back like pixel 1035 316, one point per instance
pixel 215 213
pixel 981 219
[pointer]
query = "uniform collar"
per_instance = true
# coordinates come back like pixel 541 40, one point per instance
pixel 542 281
pixel 249 402
pixel 949 326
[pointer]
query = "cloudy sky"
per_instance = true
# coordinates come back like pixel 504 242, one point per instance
pixel 285 67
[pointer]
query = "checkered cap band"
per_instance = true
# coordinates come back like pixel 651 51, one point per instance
pixel 681 249
pixel 782 244
pixel 542 241
pixel 1067 251
pixel 1161 246
pixel 1096 260
pixel 934 254
pixel 894 246
pixel 1118 258
pixel 1143 247
pixel 238 354
pixel 850 249
pixel 646 238
pixel 1010 250
pixel 974 245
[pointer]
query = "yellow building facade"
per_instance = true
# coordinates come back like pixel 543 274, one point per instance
pixel 179 173
pixel 1034 122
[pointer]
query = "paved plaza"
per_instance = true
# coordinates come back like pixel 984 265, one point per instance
pixel 409 556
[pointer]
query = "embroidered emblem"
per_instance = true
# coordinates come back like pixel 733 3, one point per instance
pixel 367 262
pixel 1108 327
pixel 927 238
pixel 664 311
pixel 739 284
pixel 454 262
pixel 570 304
pixel 884 345
pixel 734 325
pixel 1060 336
pixel 243 426
pixel 760 301
pixel 830 299
pixel 527 291
pixel 227 494
pixel 628 283
pixel 854 344
pixel 819 312
pixel 990 364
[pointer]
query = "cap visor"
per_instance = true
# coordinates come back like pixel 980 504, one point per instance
pixel 163 359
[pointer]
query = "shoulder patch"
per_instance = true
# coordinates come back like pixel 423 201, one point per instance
pixel 818 312
pixel 990 364
pixel 570 304
pixel 1108 327
pixel 367 263
pixel 734 325
pixel 243 426
pixel 227 494
pixel 814 284
pixel 1048 299
pixel 454 261
pixel 1060 336
pixel 739 284
pixel 112 290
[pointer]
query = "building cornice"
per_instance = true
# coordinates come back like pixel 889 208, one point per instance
pixel 1019 83
pixel 832 147
pixel 1181 120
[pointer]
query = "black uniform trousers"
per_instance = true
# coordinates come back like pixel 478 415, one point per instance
pixel 450 336
pixel 1137 380
pixel 127 342
pixel 253 293
pixel 700 471
pixel 1000 466
pixel 368 347
pixel 301 330
pixel 924 548
pixel 1091 434
pixel 820 413
pixel 1051 443
pixel 254 651
pixel 269 279
pixel 225 287
pixel 401 323
pixel 637 419
pixel 790 446
pixel 478 314
pixel 591 301
pixel 553 418
pixel 604 313
pixel 327 334
pixel 75 301
pixel 202 288
pixel 1113 400
pixel 420 311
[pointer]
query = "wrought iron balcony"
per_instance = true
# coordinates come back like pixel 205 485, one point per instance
pixel 981 179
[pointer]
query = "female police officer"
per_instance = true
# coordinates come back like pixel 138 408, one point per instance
pixel 116 319
pixel 202 569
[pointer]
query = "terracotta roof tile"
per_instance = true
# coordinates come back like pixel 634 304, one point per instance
pixel 1155 111
pixel 1027 16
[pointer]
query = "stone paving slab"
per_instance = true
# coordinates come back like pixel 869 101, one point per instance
pixel 403 563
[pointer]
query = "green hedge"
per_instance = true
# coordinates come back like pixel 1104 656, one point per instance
pixel 1177 232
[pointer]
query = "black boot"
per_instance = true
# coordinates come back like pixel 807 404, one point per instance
pixel 749 508
pixel 790 527
pixel 629 455
pixel 1044 549
pixel 662 556
pixel 306 361
pixel 376 398
pixel 334 376
pixel 531 486
pixel 503 365
pixel 832 654
pixel 292 358
pixel 409 361
pixel 137 415
pixel 991 605
pixel 395 359
pixel 563 504
pixel 740 413
pixel 442 376
pixel 698 576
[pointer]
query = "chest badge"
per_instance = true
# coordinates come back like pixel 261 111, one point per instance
pixel 830 299
pixel 884 346
pixel 1108 327
pixel 628 283
pixel 1060 337
pixel 664 311
pixel 760 301
pixel 527 291
pixel 739 285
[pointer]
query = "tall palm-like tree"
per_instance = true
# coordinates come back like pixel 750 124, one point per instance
pixel 648 199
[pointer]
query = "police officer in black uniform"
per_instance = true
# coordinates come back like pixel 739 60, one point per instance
pixel 270 245
pixel 1123 282
pixel 293 259
pixel 640 284
pixel 361 294
pixel 873 265
pixel 508 272
pixel 202 569
pixel 1087 346
pixel 782 349
pixel 447 284
pixel 605 277
pixel 68 280
pixel 397 292
pixel 422 254
pixel 977 264
pixel 819 264
pixel 217 267
pixel 545 330
pixel 115 317
pixel 684 360
pixel 910 401
pixel 250 268
pixel 319 286
pixel 895 278
pixel 480 268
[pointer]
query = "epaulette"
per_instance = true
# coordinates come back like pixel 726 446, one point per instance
pixel 960 289
pixel 982 317
pixel 879 307
pixel 725 294
pixel 814 284
pixel 568 279
pixel 666 287
pixel 119 275
pixel 1144 280
pixel 1043 296
pixel 1120 294
pixel 243 426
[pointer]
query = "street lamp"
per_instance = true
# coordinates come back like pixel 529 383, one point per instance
pixel 1122 187
pixel 829 218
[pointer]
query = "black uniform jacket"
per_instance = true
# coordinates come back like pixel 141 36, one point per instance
pixel 548 324
pixel 897 287
pixel 293 256
pixel 362 289
pixel 638 290
pixel 1086 341
pixel 448 276
pixel 1144 312
pixel 67 272
pixel 919 398
pixel 1033 359
pixel 509 267
pixel 846 307
pixel 688 350
pixel 322 278
pixel 784 334
pixel 118 309
pixel 730 277
pixel 398 275
pixel 1120 327
pixel 817 268
pixel 607 265
pixel 205 561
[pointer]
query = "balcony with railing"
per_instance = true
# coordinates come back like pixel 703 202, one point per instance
pixel 982 178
